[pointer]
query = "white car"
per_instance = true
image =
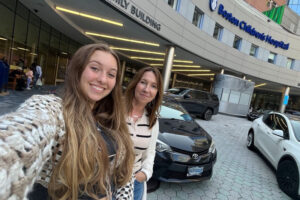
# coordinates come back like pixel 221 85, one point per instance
pixel 277 137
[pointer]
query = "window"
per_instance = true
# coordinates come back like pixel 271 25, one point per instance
pixel 237 42
pixel 272 57
pixel 269 121
pixel 234 97
pixel 198 17
pixel 218 32
pixel 225 94
pixel 290 63
pixel 201 95
pixel 253 50
pixel 280 124
pixel 173 4
pixel 244 100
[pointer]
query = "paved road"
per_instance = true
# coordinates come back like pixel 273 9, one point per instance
pixel 238 172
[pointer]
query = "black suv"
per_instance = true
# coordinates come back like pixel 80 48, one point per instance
pixel 196 102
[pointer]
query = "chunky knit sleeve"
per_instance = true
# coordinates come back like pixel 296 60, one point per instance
pixel 26 140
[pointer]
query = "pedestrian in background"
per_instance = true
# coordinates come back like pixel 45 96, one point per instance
pixel 37 73
pixel 29 75
pixel 74 147
pixel 143 98
pixel 4 74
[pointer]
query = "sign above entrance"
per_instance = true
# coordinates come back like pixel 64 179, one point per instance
pixel 131 9
pixel 248 28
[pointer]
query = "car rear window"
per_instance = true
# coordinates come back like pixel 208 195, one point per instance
pixel 296 129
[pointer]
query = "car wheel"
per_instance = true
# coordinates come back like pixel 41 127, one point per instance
pixel 152 185
pixel 288 178
pixel 207 114
pixel 250 140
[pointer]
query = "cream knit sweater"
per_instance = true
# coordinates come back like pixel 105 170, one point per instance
pixel 28 139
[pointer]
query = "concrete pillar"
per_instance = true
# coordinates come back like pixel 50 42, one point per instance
pixel 244 77
pixel 222 71
pixel 123 66
pixel 168 66
pixel 284 99
pixel 174 80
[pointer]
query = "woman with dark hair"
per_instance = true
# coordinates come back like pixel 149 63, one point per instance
pixel 74 147
pixel 143 98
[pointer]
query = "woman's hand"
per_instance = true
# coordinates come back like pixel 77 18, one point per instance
pixel 140 176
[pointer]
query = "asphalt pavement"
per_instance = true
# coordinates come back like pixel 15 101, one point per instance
pixel 239 174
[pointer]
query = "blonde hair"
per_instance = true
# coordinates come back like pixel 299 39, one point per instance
pixel 84 167
pixel 153 106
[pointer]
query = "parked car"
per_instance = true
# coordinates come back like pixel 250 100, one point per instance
pixel 185 152
pixel 277 137
pixel 196 102
pixel 256 114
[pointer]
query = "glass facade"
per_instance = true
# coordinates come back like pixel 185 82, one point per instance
pixel 294 5
pixel 25 38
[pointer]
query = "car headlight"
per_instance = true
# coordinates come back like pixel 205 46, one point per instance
pixel 161 146
pixel 212 148
pixel 179 157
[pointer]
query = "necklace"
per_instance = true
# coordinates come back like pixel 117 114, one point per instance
pixel 135 116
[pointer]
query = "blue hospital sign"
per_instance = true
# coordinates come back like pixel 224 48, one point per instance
pixel 286 100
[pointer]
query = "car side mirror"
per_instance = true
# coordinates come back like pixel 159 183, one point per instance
pixel 278 133
pixel 187 96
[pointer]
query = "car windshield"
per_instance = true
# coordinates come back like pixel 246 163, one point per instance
pixel 296 128
pixel 177 91
pixel 170 110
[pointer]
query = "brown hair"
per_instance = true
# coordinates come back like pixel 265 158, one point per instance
pixel 84 166
pixel 153 106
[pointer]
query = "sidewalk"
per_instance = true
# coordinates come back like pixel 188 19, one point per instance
pixel 10 102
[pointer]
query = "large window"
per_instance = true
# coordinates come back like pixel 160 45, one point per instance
pixel 237 42
pixel 253 50
pixel 272 57
pixel 218 31
pixel 198 17
pixel 290 63
pixel 25 38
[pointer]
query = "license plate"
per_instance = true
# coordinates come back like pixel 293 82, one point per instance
pixel 195 171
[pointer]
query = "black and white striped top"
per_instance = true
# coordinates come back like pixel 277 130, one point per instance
pixel 141 137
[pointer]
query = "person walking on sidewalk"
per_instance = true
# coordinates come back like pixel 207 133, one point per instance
pixel 143 98
pixel 37 74
pixel 29 75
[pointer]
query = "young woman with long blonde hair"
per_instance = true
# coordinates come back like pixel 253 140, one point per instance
pixel 74 147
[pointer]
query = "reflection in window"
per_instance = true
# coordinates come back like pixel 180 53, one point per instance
pixel 218 32
pixel 237 42
pixel 225 94
pixel 290 63
pixel 272 57
pixel 253 50
pixel 171 110
pixel 198 17
pixel 244 100
pixel 234 97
